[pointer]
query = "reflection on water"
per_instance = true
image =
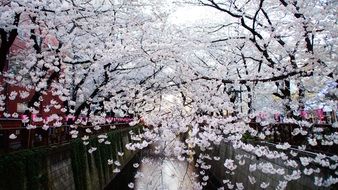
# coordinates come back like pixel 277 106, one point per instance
pixel 156 170
pixel 154 173
pixel 163 174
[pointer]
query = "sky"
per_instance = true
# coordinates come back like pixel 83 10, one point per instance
pixel 194 14
pixel 190 15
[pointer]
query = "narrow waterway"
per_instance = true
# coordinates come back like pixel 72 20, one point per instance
pixel 154 173
pixel 164 173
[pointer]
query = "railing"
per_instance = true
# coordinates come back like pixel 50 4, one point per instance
pixel 24 138
pixel 29 138
pixel 282 132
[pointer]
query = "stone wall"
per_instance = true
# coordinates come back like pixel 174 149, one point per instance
pixel 67 166
pixel 241 173
pixel 60 173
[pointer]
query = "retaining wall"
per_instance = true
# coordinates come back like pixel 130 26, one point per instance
pixel 65 167
pixel 241 173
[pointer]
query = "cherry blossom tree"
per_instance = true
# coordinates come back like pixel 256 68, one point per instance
pixel 79 45
pixel 194 88
pixel 277 47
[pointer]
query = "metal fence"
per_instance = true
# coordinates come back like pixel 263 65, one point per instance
pixel 29 138
pixel 282 133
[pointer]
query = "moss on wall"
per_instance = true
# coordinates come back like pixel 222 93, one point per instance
pixel 99 158
pixel 24 170
pixel 28 169
pixel 78 159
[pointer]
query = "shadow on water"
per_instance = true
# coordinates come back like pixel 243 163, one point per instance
pixel 122 179
pixel 213 183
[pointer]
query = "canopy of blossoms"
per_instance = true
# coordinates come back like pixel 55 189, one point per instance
pixel 230 77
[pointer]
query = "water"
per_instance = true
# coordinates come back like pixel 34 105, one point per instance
pixel 154 173
pixel 164 174
pixel 122 179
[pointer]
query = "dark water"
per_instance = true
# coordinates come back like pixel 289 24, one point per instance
pixel 213 183
pixel 121 181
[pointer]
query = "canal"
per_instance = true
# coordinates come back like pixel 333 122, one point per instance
pixel 150 172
